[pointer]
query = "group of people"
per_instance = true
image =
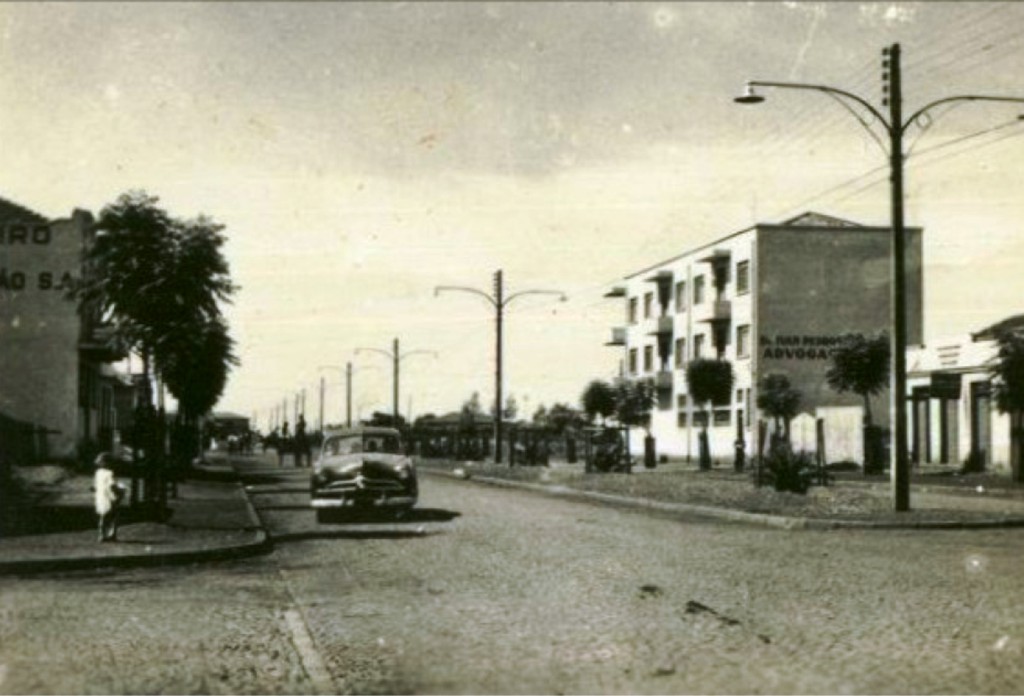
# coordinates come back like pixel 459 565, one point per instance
pixel 284 443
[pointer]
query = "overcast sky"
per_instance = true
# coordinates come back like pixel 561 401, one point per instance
pixel 361 154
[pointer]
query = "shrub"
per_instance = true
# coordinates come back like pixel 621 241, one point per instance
pixel 786 470
pixel 974 464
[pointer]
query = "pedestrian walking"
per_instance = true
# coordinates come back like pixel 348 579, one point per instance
pixel 283 444
pixel 108 496
pixel 302 449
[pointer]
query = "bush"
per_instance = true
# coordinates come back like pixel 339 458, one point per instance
pixel 974 464
pixel 786 470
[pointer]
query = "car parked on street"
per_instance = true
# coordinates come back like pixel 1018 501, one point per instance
pixel 362 468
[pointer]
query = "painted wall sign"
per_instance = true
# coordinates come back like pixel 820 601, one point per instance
pixel 43 280
pixel 23 234
pixel 799 346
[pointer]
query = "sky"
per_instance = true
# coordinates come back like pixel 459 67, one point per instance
pixel 362 154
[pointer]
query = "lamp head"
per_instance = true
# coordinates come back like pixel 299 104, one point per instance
pixel 749 96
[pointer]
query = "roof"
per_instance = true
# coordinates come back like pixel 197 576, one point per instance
pixel 228 415
pixel 12 212
pixel 813 219
pixel 1011 324
pixel 805 220
pixel 361 430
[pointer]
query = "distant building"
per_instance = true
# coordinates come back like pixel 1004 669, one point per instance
pixel 773 298
pixel 56 377
pixel 951 410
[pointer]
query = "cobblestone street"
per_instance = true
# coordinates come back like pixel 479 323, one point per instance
pixel 483 590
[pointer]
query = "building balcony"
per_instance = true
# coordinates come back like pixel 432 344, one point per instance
pixel 662 326
pixel 618 336
pixel 101 346
pixel 720 310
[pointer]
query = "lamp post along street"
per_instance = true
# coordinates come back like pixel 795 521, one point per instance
pixel 396 358
pixel 896 127
pixel 499 301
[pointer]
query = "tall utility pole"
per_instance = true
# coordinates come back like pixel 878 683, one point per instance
pixel 499 301
pixel 348 395
pixel 321 426
pixel 396 358
pixel 896 127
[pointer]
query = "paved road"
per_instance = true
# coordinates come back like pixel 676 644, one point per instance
pixel 489 590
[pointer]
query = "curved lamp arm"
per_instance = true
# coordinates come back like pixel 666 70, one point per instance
pixel 965 97
pixel 562 297
pixel 828 90
pixel 388 353
pixel 442 288
pixel 403 356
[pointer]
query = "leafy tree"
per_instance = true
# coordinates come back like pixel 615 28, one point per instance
pixel 1008 388
pixel 471 407
pixel 708 382
pixel 511 409
pixel 634 401
pixel 598 400
pixel 860 365
pixel 777 397
pixel 563 417
pixel 540 416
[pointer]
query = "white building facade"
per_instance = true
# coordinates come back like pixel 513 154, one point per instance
pixel 951 410
pixel 773 298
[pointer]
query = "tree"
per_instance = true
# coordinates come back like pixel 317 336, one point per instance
pixel 159 283
pixel 1008 389
pixel 598 400
pixel 563 417
pixel 634 401
pixel 860 365
pixel 777 398
pixel 708 382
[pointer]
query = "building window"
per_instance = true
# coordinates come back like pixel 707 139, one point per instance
pixel 743 341
pixel 648 358
pixel 739 397
pixel 681 296
pixel 681 419
pixel 632 361
pixel 742 277
pixel 698 290
pixel 698 346
pixel 700 418
pixel 632 310
pixel 648 304
pixel 723 416
pixel 680 352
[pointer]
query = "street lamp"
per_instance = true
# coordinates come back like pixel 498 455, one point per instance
pixel 499 302
pixel 349 371
pixel 896 127
pixel 396 358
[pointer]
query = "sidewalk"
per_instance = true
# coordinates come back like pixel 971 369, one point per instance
pixel 211 519
pixel 935 504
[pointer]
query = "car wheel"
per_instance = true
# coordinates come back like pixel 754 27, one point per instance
pixel 323 515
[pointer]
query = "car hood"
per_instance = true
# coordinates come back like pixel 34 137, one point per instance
pixel 365 461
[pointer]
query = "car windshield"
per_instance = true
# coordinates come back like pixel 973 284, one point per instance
pixel 354 444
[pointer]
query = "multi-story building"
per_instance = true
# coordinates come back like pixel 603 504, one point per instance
pixel 57 383
pixel 773 298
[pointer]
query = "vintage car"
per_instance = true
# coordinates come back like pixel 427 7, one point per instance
pixel 362 468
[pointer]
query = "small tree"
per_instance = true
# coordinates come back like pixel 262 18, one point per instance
pixel 598 400
pixel 861 365
pixel 1008 387
pixel 708 382
pixel 634 401
pixel 777 398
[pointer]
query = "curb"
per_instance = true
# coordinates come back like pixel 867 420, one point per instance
pixel 777 521
pixel 261 545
